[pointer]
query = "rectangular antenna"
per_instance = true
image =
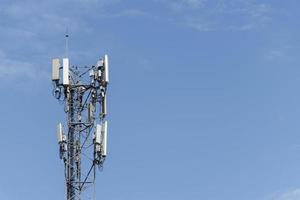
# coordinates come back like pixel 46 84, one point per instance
pixel 106 69
pixel 98 138
pixel 55 69
pixel 103 105
pixel 59 133
pixel 104 142
pixel 98 134
pixel 66 80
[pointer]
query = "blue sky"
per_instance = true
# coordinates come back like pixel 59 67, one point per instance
pixel 203 101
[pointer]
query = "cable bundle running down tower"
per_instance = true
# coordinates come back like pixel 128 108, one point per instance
pixel 83 140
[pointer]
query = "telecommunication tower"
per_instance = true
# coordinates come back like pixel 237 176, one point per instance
pixel 83 138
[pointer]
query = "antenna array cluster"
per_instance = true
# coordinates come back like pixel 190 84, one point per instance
pixel 83 139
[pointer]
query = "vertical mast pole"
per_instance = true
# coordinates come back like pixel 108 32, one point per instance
pixel 71 136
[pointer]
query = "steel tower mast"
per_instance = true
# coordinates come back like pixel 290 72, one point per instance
pixel 83 139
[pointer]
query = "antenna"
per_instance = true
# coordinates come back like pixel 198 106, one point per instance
pixel 83 146
pixel 59 133
pixel 55 69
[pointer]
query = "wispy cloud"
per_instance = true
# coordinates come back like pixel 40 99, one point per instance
pixel 293 194
pixel 180 5
pixel 132 12
pixel 278 53
pixel 199 23
pixel 19 69
pixel 29 32
pixel 228 15
pixel 281 47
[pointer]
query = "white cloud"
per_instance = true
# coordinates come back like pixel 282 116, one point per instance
pixel 129 13
pixel 11 68
pixel 30 30
pixel 199 24
pixel 281 47
pixel 187 4
pixel 293 194
pixel 228 15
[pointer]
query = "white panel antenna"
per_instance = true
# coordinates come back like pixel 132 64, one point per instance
pixel 59 133
pixel 98 134
pixel 98 138
pixel 66 72
pixel 104 140
pixel 55 69
pixel 106 69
